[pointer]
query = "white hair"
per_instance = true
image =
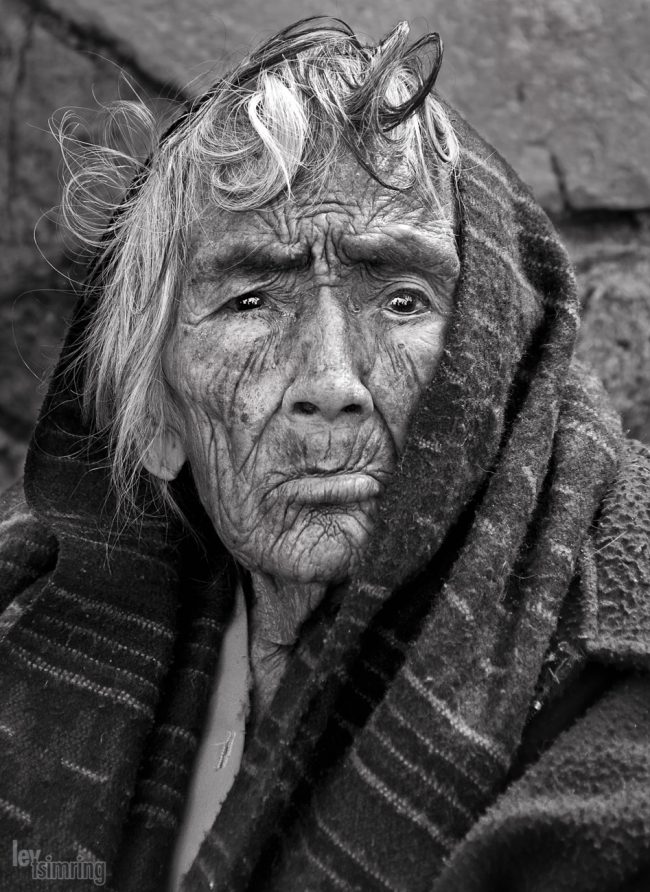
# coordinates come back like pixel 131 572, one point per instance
pixel 269 128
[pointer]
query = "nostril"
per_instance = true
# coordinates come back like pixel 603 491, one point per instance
pixel 352 409
pixel 304 408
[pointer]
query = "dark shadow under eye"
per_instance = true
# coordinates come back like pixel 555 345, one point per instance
pixel 248 302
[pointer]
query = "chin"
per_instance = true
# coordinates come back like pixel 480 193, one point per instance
pixel 328 571
pixel 318 557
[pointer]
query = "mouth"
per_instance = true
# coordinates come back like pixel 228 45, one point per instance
pixel 331 489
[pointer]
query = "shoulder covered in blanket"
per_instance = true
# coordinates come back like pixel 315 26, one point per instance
pixel 585 794
pixel 578 817
pixel 617 571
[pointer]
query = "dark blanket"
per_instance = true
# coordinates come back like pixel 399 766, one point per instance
pixel 470 712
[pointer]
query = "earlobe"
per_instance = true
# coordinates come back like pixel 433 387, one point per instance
pixel 165 456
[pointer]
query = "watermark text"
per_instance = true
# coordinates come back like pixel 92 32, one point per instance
pixel 44 867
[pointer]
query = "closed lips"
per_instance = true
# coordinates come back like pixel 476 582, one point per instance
pixel 338 489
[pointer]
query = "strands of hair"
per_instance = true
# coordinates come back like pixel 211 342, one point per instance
pixel 270 128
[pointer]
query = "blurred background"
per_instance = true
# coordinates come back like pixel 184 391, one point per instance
pixel 560 87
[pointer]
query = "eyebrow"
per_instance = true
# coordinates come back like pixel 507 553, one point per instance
pixel 398 247
pixel 248 257
pixel 403 248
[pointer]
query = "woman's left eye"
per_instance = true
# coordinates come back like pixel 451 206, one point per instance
pixel 407 303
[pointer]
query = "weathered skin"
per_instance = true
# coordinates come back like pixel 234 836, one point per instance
pixel 305 336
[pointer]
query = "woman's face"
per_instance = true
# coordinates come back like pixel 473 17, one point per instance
pixel 305 336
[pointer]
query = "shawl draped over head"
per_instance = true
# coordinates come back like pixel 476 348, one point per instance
pixel 469 712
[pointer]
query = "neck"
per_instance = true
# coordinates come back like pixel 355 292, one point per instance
pixel 277 610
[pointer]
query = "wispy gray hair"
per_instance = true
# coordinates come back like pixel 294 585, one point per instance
pixel 270 127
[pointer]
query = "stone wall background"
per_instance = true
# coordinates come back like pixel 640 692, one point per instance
pixel 561 87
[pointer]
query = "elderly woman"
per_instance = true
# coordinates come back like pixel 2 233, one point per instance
pixel 331 569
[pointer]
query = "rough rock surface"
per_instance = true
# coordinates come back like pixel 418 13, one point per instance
pixel 32 327
pixel 561 87
pixel 615 334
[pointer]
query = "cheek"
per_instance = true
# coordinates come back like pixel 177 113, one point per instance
pixel 405 363
pixel 236 381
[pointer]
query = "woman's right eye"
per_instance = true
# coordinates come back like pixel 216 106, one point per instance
pixel 247 302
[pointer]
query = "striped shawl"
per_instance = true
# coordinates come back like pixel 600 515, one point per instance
pixel 470 712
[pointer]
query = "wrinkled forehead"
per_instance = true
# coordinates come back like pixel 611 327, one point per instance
pixel 350 202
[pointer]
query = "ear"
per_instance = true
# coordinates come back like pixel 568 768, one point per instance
pixel 166 455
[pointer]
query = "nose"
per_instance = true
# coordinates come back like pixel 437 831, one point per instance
pixel 328 383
